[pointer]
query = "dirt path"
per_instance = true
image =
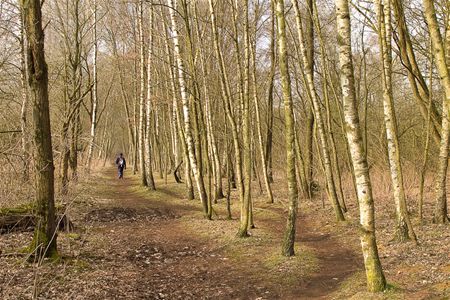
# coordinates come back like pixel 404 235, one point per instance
pixel 154 257
pixel 141 249
pixel 337 262
pixel 165 261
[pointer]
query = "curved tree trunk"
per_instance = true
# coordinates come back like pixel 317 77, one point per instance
pixel 419 87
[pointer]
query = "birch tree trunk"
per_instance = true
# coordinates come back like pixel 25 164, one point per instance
pixel 94 90
pixel 427 134
pixel 177 116
pixel 141 130
pixel 269 133
pixel 329 83
pixel 44 240
pixel 148 125
pixel 240 71
pixel 226 95
pixel 310 119
pixel 209 117
pixel 312 94
pixel 25 101
pixel 404 229
pixel 258 118
pixel 125 101
pixel 200 139
pixel 246 139
pixel 186 111
pixel 289 235
pixel 375 278
pixel 440 213
pixel 331 139
pixel 136 95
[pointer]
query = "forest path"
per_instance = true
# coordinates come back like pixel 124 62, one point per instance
pixel 155 255
pixel 336 260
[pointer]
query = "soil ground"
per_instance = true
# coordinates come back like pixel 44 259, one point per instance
pixel 131 243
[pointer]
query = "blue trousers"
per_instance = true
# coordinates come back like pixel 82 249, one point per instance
pixel 120 169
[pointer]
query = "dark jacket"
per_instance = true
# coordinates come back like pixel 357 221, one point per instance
pixel 124 163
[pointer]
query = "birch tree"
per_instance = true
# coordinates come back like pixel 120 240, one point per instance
pixel 142 116
pixel 289 235
pixel 310 115
pixel 186 111
pixel 442 64
pixel 312 95
pixel 375 278
pixel 270 92
pixel 25 100
pixel 209 114
pixel 258 116
pixel 148 106
pixel 246 131
pixel 94 88
pixel 226 97
pixel 404 229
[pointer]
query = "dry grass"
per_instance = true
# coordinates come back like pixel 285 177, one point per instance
pixel 14 190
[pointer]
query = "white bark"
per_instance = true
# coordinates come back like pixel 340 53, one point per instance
pixel 94 90
pixel 312 94
pixel 186 112
pixel 226 95
pixel 141 130
pixel 258 120
pixel 217 170
pixel 148 135
pixel 375 277
pixel 25 102
pixel 404 229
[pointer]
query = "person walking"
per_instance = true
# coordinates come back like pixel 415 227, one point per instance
pixel 121 165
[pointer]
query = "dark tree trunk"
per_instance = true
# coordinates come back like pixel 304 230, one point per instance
pixel 44 241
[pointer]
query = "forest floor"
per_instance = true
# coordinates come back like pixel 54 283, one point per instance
pixel 130 243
